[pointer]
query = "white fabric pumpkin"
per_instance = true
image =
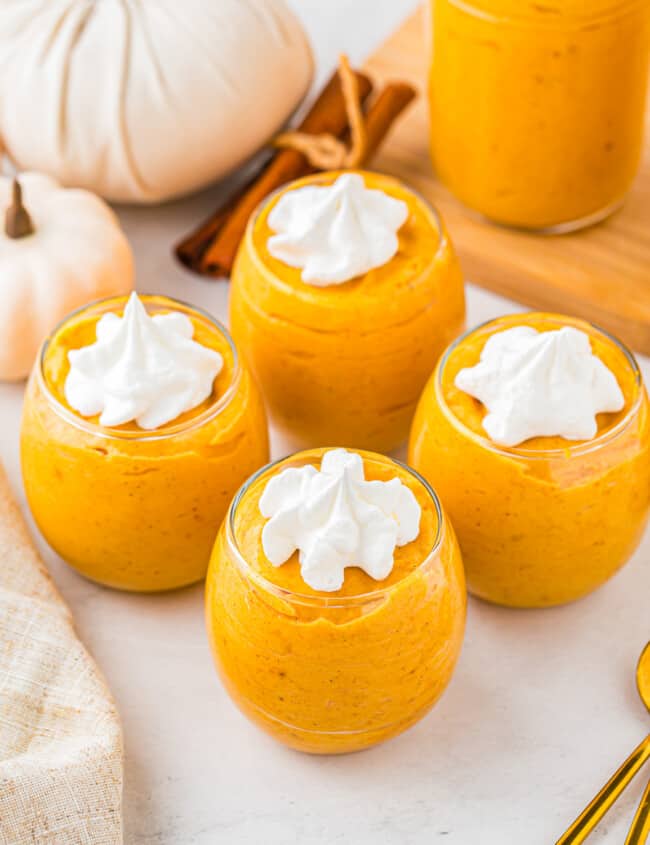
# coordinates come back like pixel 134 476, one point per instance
pixel 143 100
pixel 76 253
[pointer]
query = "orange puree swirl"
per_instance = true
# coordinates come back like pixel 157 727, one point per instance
pixel 550 520
pixel 134 509
pixel 345 364
pixel 335 672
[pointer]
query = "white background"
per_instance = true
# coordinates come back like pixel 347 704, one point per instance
pixel 542 708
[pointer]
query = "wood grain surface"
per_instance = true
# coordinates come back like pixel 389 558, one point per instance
pixel 601 274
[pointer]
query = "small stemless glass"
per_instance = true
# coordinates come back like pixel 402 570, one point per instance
pixel 346 363
pixel 134 509
pixel 538 526
pixel 327 673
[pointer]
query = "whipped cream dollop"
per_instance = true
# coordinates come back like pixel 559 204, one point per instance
pixel 141 368
pixel 336 232
pixel 335 518
pixel 541 384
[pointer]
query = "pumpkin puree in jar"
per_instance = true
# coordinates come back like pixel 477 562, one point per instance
pixel 537 108
pixel 336 672
pixel 135 509
pixel 345 363
pixel 550 520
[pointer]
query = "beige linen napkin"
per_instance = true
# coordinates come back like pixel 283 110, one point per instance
pixel 60 740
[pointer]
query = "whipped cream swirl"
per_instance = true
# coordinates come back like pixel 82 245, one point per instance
pixel 141 368
pixel 335 518
pixel 541 384
pixel 336 232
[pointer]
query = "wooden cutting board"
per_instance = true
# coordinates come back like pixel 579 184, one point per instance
pixel 602 274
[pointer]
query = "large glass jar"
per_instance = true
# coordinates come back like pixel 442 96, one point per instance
pixel 537 108
pixel 550 520
pixel 346 363
pixel 335 672
pixel 135 509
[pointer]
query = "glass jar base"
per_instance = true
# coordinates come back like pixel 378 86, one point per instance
pixel 528 602
pixel 325 743
pixel 288 441
pixel 142 578
pixel 566 228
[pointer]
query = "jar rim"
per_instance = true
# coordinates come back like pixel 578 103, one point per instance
pixel 549 13
pixel 111 433
pixel 581 447
pixel 327 600
pixel 262 266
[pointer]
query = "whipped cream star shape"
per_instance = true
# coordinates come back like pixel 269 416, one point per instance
pixel 142 368
pixel 334 518
pixel 541 384
pixel 336 232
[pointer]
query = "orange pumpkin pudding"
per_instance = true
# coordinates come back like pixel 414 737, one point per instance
pixel 534 430
pixel 335 600
pixel 537 108
pixel 345 291
pixel 139 424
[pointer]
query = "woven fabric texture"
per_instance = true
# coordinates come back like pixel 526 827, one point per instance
pixel 60 739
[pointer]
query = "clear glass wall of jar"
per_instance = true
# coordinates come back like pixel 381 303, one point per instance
pixel 537 108
pixel 335 672
pixel 346 363
pixel 135 509
pixel 550 520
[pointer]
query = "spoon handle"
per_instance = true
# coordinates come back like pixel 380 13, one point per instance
pixel 591 815
pixel 641 825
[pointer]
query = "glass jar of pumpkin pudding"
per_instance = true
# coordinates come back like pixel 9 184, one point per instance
pixel 140 423
pixel 537 108
pixel 335 600
pixel 535 431
pixel 345 291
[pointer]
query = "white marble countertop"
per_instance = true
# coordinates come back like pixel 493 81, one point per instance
pixel 541 710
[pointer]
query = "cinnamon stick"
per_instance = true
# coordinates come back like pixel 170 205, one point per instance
pixel 387 107
pixel 211 249
pixel 192 248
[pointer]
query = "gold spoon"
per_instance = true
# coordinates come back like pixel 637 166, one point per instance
pixel 591 815
pixel 640 829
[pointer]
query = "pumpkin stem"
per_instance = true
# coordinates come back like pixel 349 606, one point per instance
pixel 18 223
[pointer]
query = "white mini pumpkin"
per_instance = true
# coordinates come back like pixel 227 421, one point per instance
pixel 59 249
pixel 144 100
